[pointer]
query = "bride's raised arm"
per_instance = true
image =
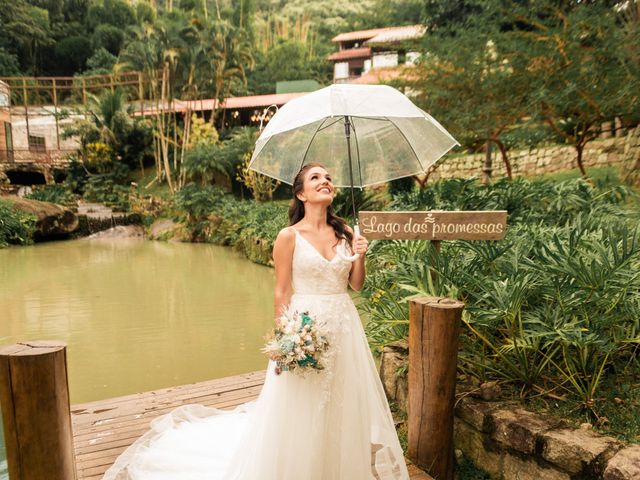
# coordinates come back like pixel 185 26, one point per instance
pixel 282 258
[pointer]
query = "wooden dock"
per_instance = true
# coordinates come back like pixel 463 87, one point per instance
pixel 103 429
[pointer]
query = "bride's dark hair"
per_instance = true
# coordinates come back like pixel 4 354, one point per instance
pixel 296 209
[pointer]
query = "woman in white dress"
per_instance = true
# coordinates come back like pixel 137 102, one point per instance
pixel 334 424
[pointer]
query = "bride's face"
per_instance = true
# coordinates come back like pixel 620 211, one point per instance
pixel 317 187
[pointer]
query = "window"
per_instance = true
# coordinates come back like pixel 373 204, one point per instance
pixel 36 144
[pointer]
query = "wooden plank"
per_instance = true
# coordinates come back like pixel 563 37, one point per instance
pixel 105 428
pixel 434 225
pixel 92 441
pixel 183 391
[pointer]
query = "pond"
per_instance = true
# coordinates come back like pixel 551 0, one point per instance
pixel 137 315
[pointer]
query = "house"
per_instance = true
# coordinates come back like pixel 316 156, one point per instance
pixel 6 142
pixel 372 56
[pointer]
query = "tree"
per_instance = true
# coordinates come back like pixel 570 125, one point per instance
pixel 118 13
pixel 107 121
pixel 100 63
pixel 8 64
pixel 229 54
pixel 72 54
pixel 25 30
pixel 287 60
pixel 578 66
pixel 466 80
pixel 108 37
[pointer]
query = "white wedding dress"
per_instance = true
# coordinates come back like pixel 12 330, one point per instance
pixel 329 425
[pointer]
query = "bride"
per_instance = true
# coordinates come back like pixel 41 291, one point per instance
pixel 329 425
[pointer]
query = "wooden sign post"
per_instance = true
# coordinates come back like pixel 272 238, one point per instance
pixel 434 225
pixel 434 324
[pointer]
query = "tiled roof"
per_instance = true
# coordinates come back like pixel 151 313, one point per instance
pixel 398 34
pixel 382 35
pixel 251 101
pixel 357 35
pixel 364 52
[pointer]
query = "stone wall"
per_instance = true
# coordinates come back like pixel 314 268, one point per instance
pixel 616 151
pixel 511 443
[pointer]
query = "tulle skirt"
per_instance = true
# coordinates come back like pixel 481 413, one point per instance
pixel 329 425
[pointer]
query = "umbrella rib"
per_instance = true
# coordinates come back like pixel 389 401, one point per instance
pixel 408 143
pixel 304 157
pixel 331 124
pixel 355 138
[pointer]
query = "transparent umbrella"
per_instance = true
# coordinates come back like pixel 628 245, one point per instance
pixel 363 134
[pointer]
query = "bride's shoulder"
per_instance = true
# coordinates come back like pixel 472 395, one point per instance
pixel 286 236
pixel 284 245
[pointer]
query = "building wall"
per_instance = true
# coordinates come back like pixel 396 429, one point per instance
pixel 385 59
pixel 42 127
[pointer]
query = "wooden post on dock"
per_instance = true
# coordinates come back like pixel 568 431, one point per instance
pixel 34 396
pixel 434 326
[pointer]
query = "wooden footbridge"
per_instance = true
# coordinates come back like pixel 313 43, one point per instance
pixel 103 429
pixel 47 439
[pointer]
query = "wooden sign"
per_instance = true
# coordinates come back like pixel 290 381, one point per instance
pixel 434 225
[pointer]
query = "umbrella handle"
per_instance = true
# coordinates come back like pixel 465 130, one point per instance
pixel 355 256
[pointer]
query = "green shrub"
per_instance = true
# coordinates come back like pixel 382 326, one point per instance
pixel 212 215
pixel 53 194
pixel 551 308
pixel 109 188
pixel 16 227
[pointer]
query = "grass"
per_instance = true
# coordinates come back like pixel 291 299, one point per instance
pixel 618 408
pixel 155 189
pixel 606 176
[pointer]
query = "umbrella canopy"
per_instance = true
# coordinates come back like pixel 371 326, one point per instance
pixel 389 137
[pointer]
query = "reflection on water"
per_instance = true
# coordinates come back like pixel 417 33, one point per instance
pixel 137 315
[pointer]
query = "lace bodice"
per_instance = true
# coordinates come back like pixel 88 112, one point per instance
pixel 313 274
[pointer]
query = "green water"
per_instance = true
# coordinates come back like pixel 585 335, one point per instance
pixel 137 315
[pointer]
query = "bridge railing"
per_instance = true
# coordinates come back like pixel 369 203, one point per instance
pixel 47 157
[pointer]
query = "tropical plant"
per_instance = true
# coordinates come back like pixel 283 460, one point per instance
pixel 552 309
pixel 53 194
pixel 16 227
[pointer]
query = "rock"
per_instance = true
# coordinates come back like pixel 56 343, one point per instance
pixel 162 228
pixel 474 412
pixel 458 455
pixel 394 357
pixel 517 469
pixel 575 450
pixel 53 220
pixel 121 231
pixel 490 390
pixel 24 190
pixel 518 429
pixel 472 444
pixel 625 465
pixel 95 210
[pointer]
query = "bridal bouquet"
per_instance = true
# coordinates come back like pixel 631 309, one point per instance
pixel 297 343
